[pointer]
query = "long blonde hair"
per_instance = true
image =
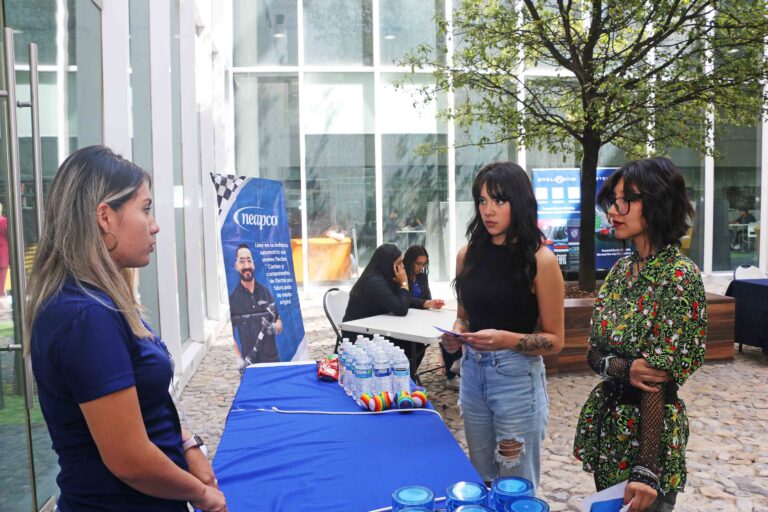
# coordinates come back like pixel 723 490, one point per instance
pixel 71 244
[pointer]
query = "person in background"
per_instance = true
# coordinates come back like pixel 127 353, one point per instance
pixel 382 288
pixel 743 219
pixel 102 374
pixel 647 338
pixel 416 262
pixel 507 282
pixel 4 257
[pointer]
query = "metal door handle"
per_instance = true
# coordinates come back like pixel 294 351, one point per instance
pixel 13 347
pixel 18 276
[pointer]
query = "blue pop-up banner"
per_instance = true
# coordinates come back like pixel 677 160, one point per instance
pixel 263 297
pixel 558 193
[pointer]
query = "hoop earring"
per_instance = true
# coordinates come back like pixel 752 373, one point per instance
pixel 110 249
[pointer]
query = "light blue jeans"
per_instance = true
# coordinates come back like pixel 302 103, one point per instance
pixel 503 397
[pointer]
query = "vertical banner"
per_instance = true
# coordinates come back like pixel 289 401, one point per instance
pixel 263 298
pixel 558 193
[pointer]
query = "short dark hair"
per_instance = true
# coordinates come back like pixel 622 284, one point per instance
pixel 666 208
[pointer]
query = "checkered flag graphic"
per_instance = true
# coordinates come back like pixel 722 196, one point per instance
pixel 225 184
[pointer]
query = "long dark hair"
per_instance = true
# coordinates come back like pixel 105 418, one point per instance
pixel 382 263
pixel 409 258
pixel 504 181
pixel 666 209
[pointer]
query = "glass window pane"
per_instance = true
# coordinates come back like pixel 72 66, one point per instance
pixel 416 195
pixel 407 24
pixel 737 196
pixel 691 165
pixel 265 32
pixel 341 182
pixel 338 32
pixel 267 135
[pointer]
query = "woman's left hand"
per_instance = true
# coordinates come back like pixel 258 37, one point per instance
pixel 485 340
pixel 434 304
pixel 200 467
pixel 640 496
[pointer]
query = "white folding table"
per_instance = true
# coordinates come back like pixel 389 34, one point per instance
pixel 417 325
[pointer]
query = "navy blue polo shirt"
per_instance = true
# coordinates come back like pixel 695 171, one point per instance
pixel 83 349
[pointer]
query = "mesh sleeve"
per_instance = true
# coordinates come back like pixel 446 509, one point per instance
pixel 647 467
pixel 608 366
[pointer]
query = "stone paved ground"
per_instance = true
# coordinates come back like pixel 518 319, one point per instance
pixel 728 406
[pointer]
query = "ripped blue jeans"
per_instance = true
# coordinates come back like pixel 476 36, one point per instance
pixel 503 400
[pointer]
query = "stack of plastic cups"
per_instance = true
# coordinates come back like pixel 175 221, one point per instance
pixel 526 504
pixel 465 493
pixel 507 489
pixel 473 508
pixel 413 496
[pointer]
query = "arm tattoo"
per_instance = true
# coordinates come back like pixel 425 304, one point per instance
pixel 533 343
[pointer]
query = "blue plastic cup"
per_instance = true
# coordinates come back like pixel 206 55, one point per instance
pixel 505 489
pixel 473 508
pixel 526 504
pixel 413 496
pixel 465 493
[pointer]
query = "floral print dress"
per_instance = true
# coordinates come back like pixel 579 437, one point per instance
pixel 660 316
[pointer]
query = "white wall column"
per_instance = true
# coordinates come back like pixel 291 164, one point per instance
pixel 190 168
pixel 115 62
pixel 162 171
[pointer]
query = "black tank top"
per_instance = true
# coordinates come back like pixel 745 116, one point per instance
pixel 496 293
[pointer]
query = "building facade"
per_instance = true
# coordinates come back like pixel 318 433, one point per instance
pixel 321 104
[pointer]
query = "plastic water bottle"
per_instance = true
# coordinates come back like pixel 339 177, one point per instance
pixel 343 355
pixel 363 375
pixel 402 372
pixel 382 373
pixel 349 365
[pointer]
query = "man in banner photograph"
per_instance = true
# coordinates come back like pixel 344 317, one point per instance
pixel 254 315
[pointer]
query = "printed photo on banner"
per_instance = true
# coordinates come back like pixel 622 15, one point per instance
pixel 263 298
pixel 558 194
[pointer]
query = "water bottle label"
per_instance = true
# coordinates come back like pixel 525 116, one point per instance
pixel 381 372
pixel 401 372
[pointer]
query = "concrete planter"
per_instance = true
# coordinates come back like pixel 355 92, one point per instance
pixel 578 312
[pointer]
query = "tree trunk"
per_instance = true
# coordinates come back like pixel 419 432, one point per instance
pixel 591 148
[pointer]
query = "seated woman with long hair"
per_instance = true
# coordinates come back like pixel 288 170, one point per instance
pixel 102 375
pixel 382 288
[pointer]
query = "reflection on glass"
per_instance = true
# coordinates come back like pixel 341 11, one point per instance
pixel 407 24
pixel 341 183
pixel 691 165
pixel 341 202
pixel 338 32
pixel 415 196
pixel 265 32
pixel 267 135
pixel 736 237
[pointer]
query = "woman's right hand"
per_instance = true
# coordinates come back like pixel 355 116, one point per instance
pixel 212 500
pixel 400 276
pixel 645 377
pixel 434 303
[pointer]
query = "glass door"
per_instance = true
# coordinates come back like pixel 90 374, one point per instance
pixel 27 464
pixel 50 105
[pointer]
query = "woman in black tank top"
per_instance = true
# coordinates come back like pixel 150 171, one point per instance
pixel 506 282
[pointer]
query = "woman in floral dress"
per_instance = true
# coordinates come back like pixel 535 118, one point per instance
pixel 648 335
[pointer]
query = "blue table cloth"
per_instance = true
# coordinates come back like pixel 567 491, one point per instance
pixel 751 311
pixel 326 462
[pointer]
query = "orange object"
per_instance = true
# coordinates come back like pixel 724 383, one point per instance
pixel 328 259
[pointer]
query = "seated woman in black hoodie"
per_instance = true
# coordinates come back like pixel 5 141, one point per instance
pixel 382 288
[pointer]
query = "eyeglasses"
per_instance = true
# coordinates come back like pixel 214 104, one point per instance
pixel 621 203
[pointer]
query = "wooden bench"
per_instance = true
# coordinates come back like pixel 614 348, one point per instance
pixel 578 312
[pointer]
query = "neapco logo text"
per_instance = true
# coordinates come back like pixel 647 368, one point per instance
pixel 249 217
